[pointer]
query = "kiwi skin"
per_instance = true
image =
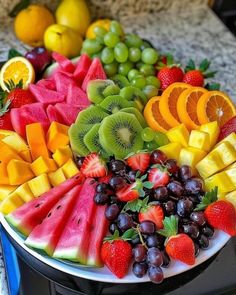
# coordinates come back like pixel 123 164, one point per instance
pixel 76 134
pixel 120 80
pixel 95 89
pixel 91 115
pixel 114 103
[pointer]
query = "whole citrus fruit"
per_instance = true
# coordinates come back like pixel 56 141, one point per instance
pixel 31 23
pixel 104 23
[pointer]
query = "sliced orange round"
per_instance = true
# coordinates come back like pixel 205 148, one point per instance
pixel 17 69
pixel 187 106
pixel 215 106
pixel 168 102
pixel 153 116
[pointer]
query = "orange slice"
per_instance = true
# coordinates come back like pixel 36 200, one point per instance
pixel 168 102
pixel 187 106
pixel 16 69
pixel 215 106
pixel 153 116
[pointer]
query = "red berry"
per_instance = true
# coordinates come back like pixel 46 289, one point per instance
pixel 152 213
pixel 194 78
pixel 139 161
pixel 169 75
pixel 5 122
pixel 93 166
pixel 20 97
pixel 228 128
pixel 158 177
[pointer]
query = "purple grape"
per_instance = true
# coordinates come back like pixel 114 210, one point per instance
pixel 166 259
pixel 139 253
pixel 208 231
pixel 102 188
pixel 79 161
pixel 117 166
pixel 124 221
pixel 161 193
pixel 169 207
pixel 155 274
pixel 193 185
pixel 198 217
pixel 101 199
pixel 39 58
pixel 158 157
pixel 117 182
pixel 203 242
pixel 140 269
pixel 191 229
pixel 112 212
pixel 185 172
pixel 155 240
pixel 184 207
pixel 147 227
pixel 132 175
pixel 154 256
pixel 176 188
pixel 112 228
pixel 197 249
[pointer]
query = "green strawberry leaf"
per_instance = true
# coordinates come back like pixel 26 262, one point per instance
pixel 190 66
pixel 170 226
pixel 113 237
pixel 210 74
pixel 13 53
pixel 212 86
pixel 210 197
pixel 141 193
pixel 148 184
pixel 204 65
pixel 143 177
pixel 130 234
pixel 133 206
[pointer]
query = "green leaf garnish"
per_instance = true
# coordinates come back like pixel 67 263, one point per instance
pixel 170 226
pixel 212 86
pixel 210 197
pixel 13 53
pixel 130 234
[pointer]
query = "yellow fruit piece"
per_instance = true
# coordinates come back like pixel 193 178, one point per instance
pixel 57 136
pixel 178 134
pixel 62 155
pixel 231 166
pixel 4 179
pixel 171 150
pixel 221 196
pixel 222 181
pixel 5 190
pixel 231 173
pixel 213 130
pixel 70 169
pixel 36 140
pixel 39 185
pixel 4 133
pixel 43 165
pixel 31 23
pixel 230 138
pixel 7 153
pixel 191 156
pixel 11 203
pixel 227 153
pixel 56 177
pixel 24 192
pixel 16 69
pixel 231 197
pixel 102 23
pixel 199 140
pixel 26 155
pixel 19 172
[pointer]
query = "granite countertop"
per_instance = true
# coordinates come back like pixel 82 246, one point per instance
pixel 188 30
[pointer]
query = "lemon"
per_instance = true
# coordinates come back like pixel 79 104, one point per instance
pixel 63 40
pixel 104 23
pixel 31 23
pixel 74 14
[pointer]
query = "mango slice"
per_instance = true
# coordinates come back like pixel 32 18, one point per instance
pixel 57 177
pixel 70 169
pixel 57 136
pixel 19 172
pixel 171 150
pixel 200 140
pixel 43 165
pixel 179 134
pixel 62 155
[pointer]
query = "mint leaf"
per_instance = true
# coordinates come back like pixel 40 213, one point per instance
pixel 210 197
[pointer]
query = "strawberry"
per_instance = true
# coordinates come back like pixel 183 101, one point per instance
pixel 116 254
pixel 169 75
pixel 20 97
pixel 105 179
pixel 228 128
pixel 221 215
pixel 158 175
pixel 128 193
pixel 152 212
pixel 5 122
pixel 178 246
pixel 139 161
pixel 93 166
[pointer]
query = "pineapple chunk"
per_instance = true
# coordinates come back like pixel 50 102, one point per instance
pixel 221 180
pixel 200 140
pixel 7 153
pixel 39 185
pixel 62 155
pixel 57 136
pixel 5 190
pixel 213 130
pixel 43 165
pixel 231 197
pixel 56 177
pixel 19 172
pixel 70 169
pixel 231 173
pixel 171 150
pixel 16 142
pixel 4 179
pixel 179 134
pixel 230 138
pixel 11 203
pixel 227 153
pixel 191 156
pixel 24 192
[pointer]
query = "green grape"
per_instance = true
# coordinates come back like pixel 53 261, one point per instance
pixel 149 56
pixel 133 40
pixel 150 91
pixel 91 46
pixel 147 70
pixel 99 31
pixel 132 74
pixel 107 55
pixel 146 44
pixel 152 80
pixel 116 28
pixel 160 138
pixel 134 54
pixel 139 82
pixel 151 146
pixel 147 134
pixel 111 69
pixel 121 52
pixel 139 64
pixel 111 39
pixel 98 55
pixel 128 92
pixel 125 67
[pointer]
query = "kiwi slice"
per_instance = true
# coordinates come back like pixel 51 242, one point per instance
pixel 138 115
pixel 120 134
pixel 111 90
pixel 91 139
pixel 133 93
pixel 95 90
pixel 120 80
pixel 76 135
pixel 91 115
pixel 114 103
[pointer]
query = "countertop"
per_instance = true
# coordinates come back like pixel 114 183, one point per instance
pixel 188 30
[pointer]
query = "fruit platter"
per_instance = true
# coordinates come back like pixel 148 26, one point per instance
pixel 117 163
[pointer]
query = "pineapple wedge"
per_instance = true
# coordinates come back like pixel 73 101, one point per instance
pixel 56 177
pixel 39 185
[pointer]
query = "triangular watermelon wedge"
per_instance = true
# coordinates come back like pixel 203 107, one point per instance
pixel 47 83
pixel 45 236
pixel 64 63
pixel 54 115
pixel 69 112
pixel 45 95
pixel 63 82
pixel 95 72
pixel 26 217
pixel 82 68
pixel 76 96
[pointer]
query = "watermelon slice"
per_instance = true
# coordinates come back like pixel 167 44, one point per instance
pixel 45 236
pixel 95 72
pixel 47 83
pixel 76 96
pixel 45 95
pixel 63 62
pixel 54 115
pixel 26 217
pixel 68 112
pixel 63 82
pixel 75 239
pixel 82 68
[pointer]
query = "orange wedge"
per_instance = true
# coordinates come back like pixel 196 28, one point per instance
pixel 16 69
pixel 168 102
pixel 187 106
pixel 215 106
pixel 153 116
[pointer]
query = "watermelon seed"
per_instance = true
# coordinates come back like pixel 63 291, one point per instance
pixel 36 206
pixel 49 214
pixel 79 221
pixel 92 181
pixel 58 207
